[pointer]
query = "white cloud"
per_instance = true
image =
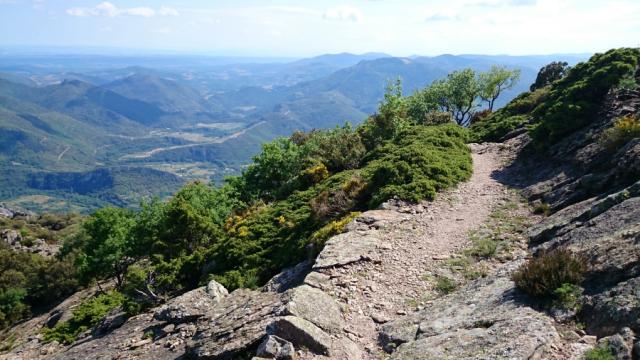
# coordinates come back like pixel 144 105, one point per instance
pixel 108 9
pixel 168 11
pixel 344 13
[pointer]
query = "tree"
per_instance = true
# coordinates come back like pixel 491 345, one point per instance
pixel 108 250
pixel 278 163
pixel 461 89
pixel 193 218
pixel 550 73
pixel 389 120
pixel 495 81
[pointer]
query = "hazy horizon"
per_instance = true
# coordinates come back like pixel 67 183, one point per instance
pixel 65 51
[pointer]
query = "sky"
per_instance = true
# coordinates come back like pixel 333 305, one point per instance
pixel 303 28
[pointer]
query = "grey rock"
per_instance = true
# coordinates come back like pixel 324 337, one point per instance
pixel 216 291
pixel 315 306
pixel 4 212
pixel 191 305
pixel 235 325
pixel 288 278
pixel 113 320
pixel 617 345
pixel 54 318
pixel 301 333
pixel 608 312
pixel 487 314
pixel 348 248
pixel 274 347
pixel 318 280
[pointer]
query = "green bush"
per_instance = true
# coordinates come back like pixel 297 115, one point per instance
pixel 515 114
pixel 333 228
pixel 84 317
pixel 29 281
pixel 543 275
pixel 599 352
pixel 542 209
pixel 445 285
pixel 567 295
pixel 574 100
pixel 483 247
pixel 419 162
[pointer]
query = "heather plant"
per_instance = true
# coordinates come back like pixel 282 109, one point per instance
pixel 543 275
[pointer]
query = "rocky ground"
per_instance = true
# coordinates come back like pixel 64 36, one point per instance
pixel 429 280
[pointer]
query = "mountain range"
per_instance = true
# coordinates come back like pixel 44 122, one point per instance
pixel 79 132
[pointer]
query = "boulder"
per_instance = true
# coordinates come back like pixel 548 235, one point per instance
pixel 610 311
pixel 113 320
pixel 236 325
pixel 348 248
pixel 274 347
pixel 191 305
pixel 288 278
pixel 301 333
pixel 488 319
pixel 315 306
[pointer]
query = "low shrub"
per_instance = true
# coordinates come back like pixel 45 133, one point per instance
pixel 541 276
pixel 566 296
pixel 623 130
pixel 445 285
pixel 600 352
pixel 331 229
pixel 436 118
pixel 573 101
pixel 542 209
pixel 482 247
pixel 85 316
pixel 494 126
pixel 421 161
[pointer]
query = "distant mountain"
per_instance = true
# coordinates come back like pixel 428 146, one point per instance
pixel 199 121
pixel 341 60
pixel 167 94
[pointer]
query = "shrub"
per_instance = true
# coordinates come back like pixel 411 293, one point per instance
pixel 483 247
pixel 600 352
pixel 419 162
pixel 567 295
pixel 623 130
pixel 315 174
pixel 515 114
pixel 331 229
pixel 542 209
pixel 84 317
pixel 549 74
pixel 29 281
pixel 339 149
pixel 332 204
pixel 543 275
pixel 628 82
pixel 574 100
pixel 445 285
pixel 437 118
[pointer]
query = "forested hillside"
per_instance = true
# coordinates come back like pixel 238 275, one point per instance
pixel 302 190
pixel 152 129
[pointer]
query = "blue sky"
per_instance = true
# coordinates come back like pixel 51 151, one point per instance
pixel 303 28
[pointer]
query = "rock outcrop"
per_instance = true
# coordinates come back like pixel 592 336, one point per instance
pixel 15 241
pixel 370 292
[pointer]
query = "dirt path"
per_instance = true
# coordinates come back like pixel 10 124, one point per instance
pixel 417 238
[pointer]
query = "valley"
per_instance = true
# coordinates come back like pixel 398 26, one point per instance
pixel 183 118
